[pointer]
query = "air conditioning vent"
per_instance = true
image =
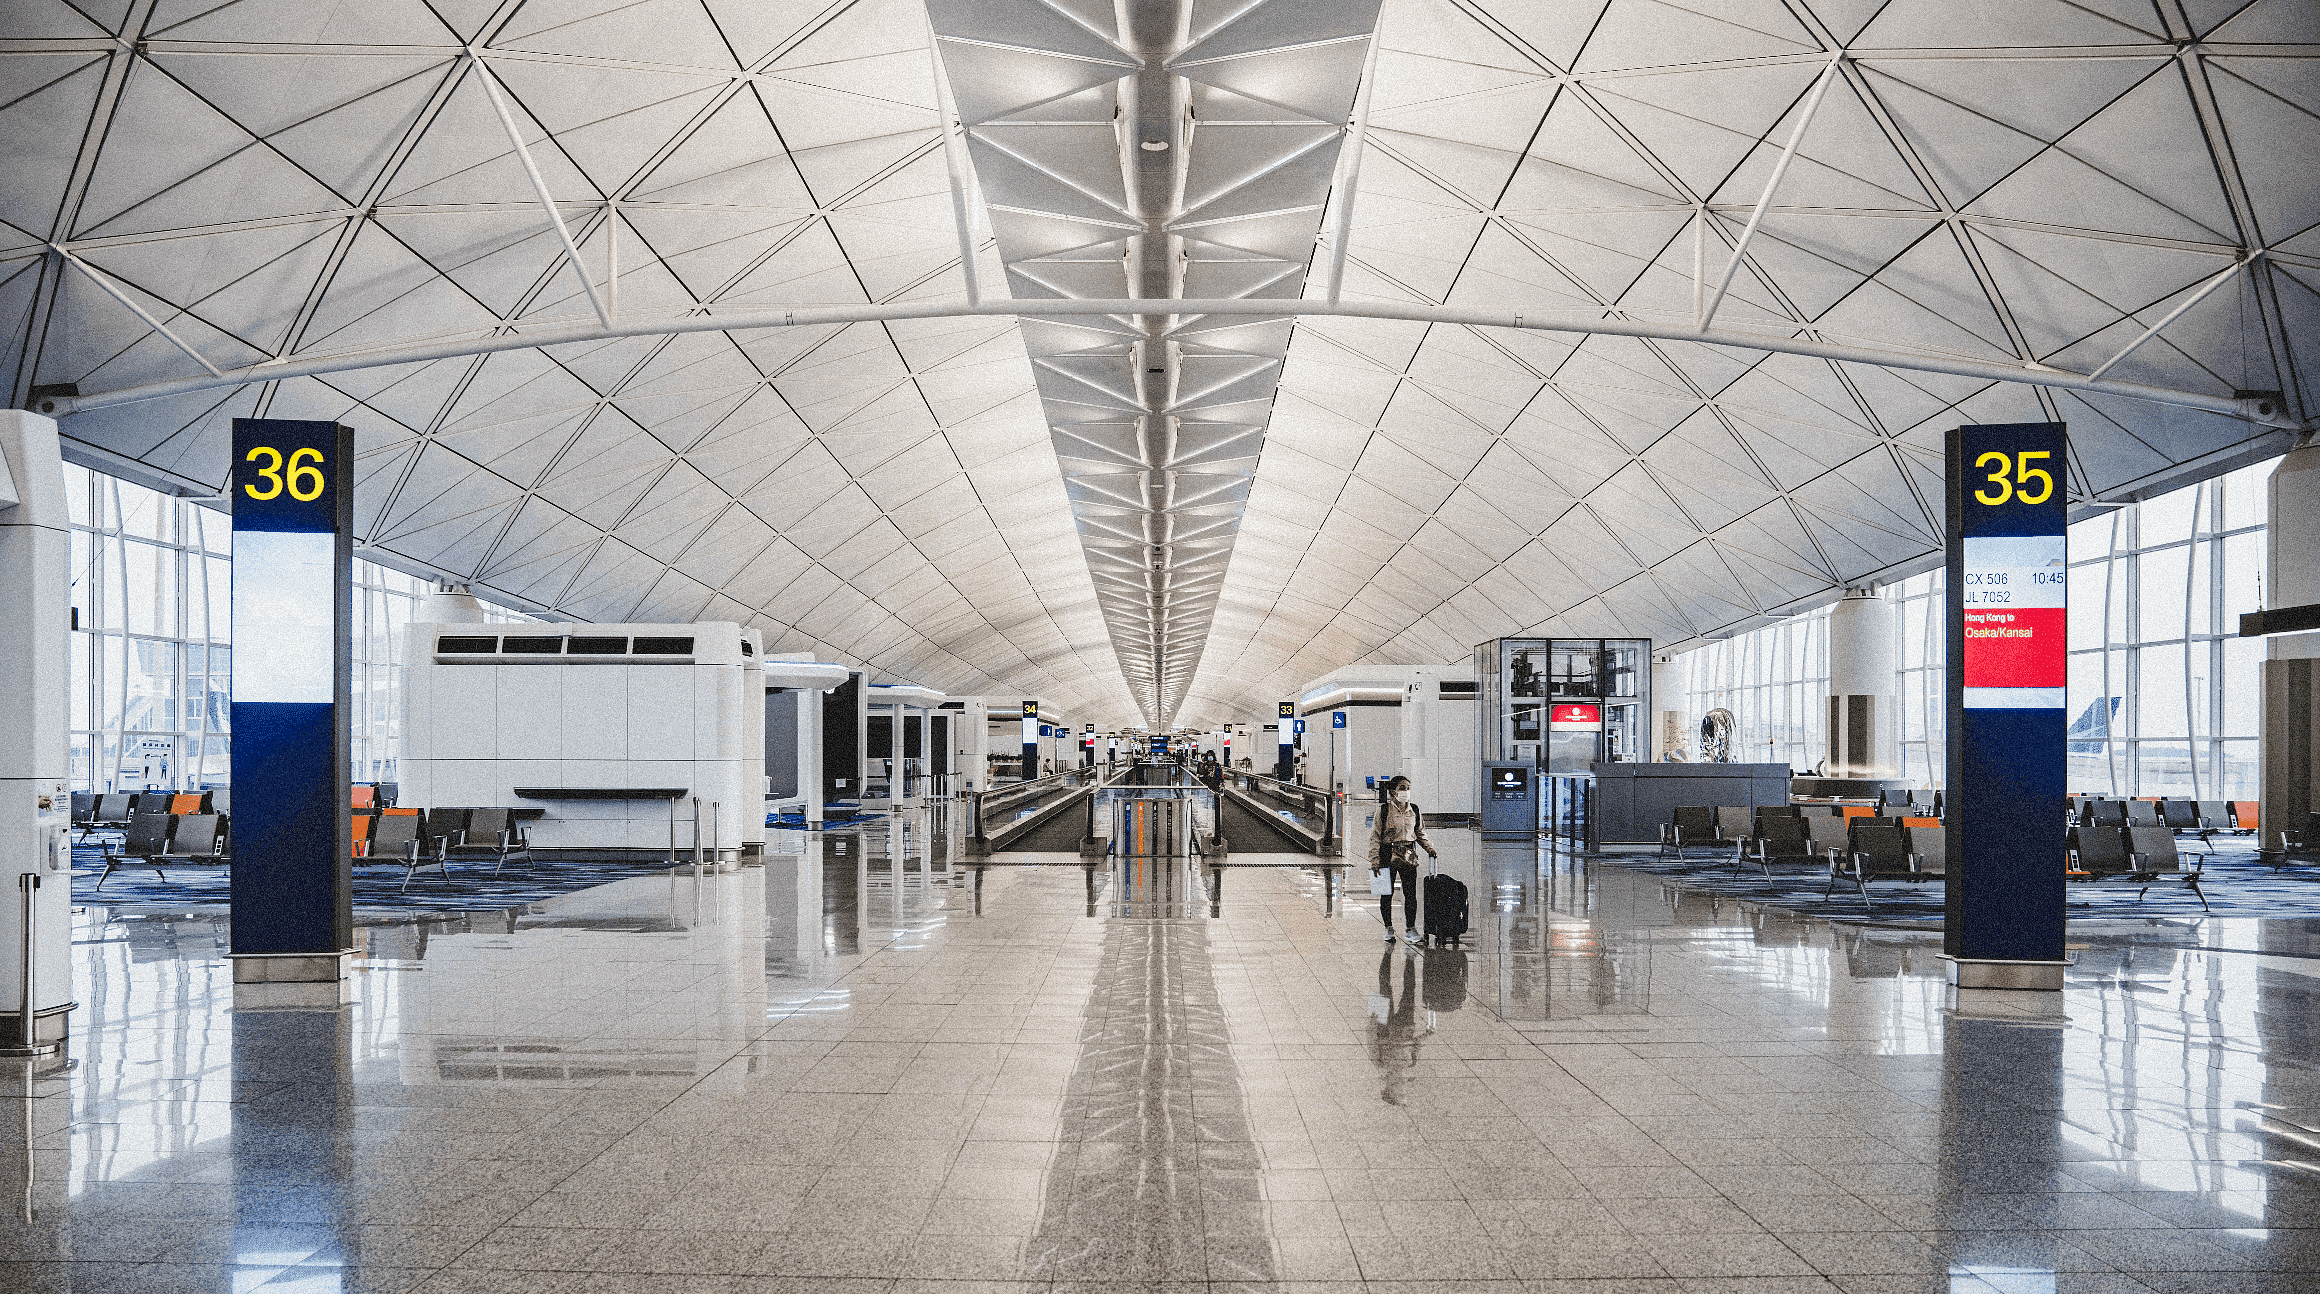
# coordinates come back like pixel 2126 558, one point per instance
pixel 662 646
pixel 530 646
pixel 449 645
pixel 597 647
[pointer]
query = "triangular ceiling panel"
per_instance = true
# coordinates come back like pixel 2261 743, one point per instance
pixel 1158 518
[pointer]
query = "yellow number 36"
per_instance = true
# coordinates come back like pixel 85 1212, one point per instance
pixel 305 482
pixel 2011 477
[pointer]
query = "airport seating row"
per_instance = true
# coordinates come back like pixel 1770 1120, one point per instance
pixel 419 839
pixel 2146 853
pixel 111 812
pixel 1721 826
pixel 1862 847
pixel 159 839
pixel 180 829
pixel 2205 819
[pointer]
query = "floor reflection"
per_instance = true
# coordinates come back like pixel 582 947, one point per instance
pixel 872 1057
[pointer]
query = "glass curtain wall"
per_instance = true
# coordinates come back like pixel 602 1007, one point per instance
pixel 151 657
pixel 1775 681
pixel 2163 695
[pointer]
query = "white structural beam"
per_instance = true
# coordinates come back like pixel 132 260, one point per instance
pixel 540 187
pixel 1543 320
pixel 2172 315
pixel 1356 144
pixel 956 164
pixel 1812 104
pixel 113 290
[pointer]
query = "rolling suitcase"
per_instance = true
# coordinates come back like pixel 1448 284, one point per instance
pixel 1445 909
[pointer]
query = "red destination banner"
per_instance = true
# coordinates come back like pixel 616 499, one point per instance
pixel 2018 648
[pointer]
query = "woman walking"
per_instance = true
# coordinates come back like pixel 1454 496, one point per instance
pixel 1393 852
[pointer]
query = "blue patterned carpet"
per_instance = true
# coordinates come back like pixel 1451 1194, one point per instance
pixel 2236 885
pixel 378 890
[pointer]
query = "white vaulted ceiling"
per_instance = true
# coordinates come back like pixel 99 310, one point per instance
pixel 188 185
pixel 2002 179
pixel 276 177
pixel 1174 150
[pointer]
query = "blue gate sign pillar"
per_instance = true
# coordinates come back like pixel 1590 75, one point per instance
pixel 1030 740
pixel 2005 795
pixel 1285 764
pixel 293 500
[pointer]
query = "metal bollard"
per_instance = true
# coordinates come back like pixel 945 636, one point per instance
pixel 28 1023
pixel 696 837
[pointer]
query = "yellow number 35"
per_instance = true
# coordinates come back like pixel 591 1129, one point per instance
pixel 305 475
pixel 2012 476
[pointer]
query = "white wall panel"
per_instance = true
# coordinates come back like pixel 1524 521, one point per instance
pixel 661 723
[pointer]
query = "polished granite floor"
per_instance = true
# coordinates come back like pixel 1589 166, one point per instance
pixel 865 1068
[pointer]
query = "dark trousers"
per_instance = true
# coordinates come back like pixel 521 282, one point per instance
pixel 1407 878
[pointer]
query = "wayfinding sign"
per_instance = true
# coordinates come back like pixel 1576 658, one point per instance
pixel 2007 585
pixel 291 883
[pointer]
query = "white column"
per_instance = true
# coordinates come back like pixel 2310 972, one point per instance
pixel 1671 726
pixel 449 604
pixel 35 681
pixel 925 750
pixel 752 805
pixel 2290 749
pixel 1862 724
pixel 809 754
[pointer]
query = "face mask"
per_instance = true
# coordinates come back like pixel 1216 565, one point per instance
pixel 1401 797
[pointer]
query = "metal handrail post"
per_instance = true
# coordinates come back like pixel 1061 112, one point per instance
pixel 672 831
pixel 28 1023
pixel 696 836
pixel 716 836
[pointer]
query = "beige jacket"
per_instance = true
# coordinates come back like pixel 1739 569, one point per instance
pixel 1398 822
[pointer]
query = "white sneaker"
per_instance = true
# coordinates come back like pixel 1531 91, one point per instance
pixel 1413 936
pixel 1389 934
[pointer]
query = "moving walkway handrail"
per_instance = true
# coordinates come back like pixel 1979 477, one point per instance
pixel 1312 799
pixel 979 803
pixel 1019 788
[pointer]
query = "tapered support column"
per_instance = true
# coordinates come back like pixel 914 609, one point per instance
pixel 1671 726
pixel 1861 702
pixel 2291 716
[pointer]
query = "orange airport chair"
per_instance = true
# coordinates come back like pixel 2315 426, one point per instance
pixel 1921 822
pixel 1857 810
pixel 362 834
pixel 366 797
pixel 186 804
pixel 2244 814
